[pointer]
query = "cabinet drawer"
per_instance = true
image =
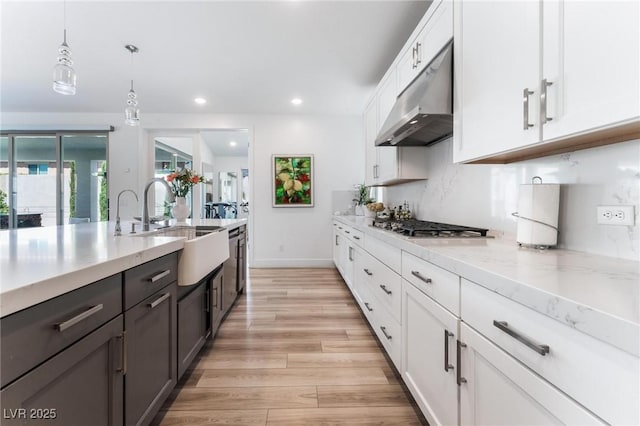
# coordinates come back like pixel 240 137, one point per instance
pixel 602 378
pixel 389 332
pixel 144 280
pixel 354 235
pixel 383 283
pixel 437 283
pixel 387 254
pixel 37 333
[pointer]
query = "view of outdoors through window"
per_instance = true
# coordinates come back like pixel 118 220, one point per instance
pixel 45 194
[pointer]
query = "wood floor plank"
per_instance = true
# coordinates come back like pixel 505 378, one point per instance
pixel 239 398
pixel 385 416
pixel 213 417
pixel 305 316
pixel 269 346
pixel 336 360
pixel 350 346
pixel 359 334
pixel 284 335
pixel 292 377
pixel 361 396
pixel 223 360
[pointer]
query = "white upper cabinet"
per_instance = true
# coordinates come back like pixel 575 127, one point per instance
pixel 370 150
pixel 534 78
pixel 496 56
pixel 436 33
pixel 591 58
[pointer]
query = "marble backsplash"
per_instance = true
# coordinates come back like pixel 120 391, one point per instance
pixel 486 195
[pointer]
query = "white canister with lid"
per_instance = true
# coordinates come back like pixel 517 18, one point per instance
pixel 538 208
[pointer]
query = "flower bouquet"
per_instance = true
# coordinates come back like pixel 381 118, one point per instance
pixel 182 181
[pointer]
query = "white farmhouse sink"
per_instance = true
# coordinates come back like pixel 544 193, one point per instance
pixel 203 250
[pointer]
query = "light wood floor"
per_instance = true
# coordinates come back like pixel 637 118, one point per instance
pixel 294 350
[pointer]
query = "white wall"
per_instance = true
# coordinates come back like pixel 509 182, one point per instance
pixel 229 164
pixel 486 195
pixel 279 236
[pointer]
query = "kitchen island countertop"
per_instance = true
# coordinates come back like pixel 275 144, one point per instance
pixel 597 295
pixel 37 264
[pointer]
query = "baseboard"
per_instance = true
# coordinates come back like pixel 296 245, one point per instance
pixel 292 263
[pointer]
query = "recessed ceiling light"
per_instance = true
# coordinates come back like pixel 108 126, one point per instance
pixel 232 143
pixel 200 101
pixel 296 101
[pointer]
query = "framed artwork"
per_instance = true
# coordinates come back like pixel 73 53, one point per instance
pixel 292 180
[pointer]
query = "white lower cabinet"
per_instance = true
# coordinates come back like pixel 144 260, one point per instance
pixel 496 389
pixel 428 355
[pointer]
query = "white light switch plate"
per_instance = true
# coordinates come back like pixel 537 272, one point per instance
pixel 616 215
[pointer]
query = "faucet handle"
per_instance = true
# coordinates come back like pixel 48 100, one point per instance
pixel 117 231
pixel 133 228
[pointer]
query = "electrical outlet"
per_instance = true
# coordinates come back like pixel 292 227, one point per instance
pixel 616 215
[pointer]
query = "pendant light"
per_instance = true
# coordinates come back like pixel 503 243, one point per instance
pixel 64 76
pixel 132 112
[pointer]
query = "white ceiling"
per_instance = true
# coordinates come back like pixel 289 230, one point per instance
pixel 244 57
pixel 218 142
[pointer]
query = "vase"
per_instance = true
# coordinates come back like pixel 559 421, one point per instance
pixel 180 210
pixel 359 210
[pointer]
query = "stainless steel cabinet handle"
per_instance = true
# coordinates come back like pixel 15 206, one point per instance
pixel 543 101
pixel 78 318
pixel 384 331
pixel 447 366
pixel 355 237
pixel 459 378
pixel 348 232
pixel 351 253
pixel 337 240
pixel 413 57
pixel 160 276
pixel 504 326
pixel 123 367
pixel 368 307
pixel 525 108
pixel 215 298
pixel 366 271
pixel 384 288
pixel 418 60
pixel 339 227
pixel 419 276
pixel 158 301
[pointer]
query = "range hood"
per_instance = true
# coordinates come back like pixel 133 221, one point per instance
pixel 423 113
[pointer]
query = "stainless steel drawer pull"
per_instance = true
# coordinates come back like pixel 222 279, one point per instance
pixel 75 320
pixel 459 379
pixel 384 288
pixel 419 276
pixel 351 253
pixel 504 326
pixel 368 307
pixel 348 232
pixel 418 54
pixel 447 366
pixel 544 99
pixel 355 237
pixel 384 331
pixel 215 298
pixel 158 301
pixel 366 271
pixel 160 276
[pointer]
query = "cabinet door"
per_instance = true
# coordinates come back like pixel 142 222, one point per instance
pixel 335 247
pixel 83 385
pixel 192 325
pixel 386 97
pixel 151 355
pixel 215 305
pixel 497 57
pixel 387 163
pixel 497 390
pixel 348 262
pixel 592 60
pixel 242 261
pixel 371 152
pixel 429 362
pixel 229 283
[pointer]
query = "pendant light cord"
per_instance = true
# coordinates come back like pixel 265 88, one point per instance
pixel 64 19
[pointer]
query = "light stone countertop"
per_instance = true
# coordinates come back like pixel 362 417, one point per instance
pixel 37 264
pixel 597 295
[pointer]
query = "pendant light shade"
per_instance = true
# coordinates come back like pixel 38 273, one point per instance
pixel 132 112
pixel 64 76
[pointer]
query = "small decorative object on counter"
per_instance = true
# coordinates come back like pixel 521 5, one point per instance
pixel 181 183
pixel 180 211
pixel 363 198
pixel 373 208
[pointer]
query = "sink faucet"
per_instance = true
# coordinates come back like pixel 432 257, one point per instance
pixel 145 208
pixel 118 230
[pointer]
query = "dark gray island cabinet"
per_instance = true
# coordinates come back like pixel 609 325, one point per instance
pixel 104 354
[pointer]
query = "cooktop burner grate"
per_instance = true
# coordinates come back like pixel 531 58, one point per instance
pixel 421 228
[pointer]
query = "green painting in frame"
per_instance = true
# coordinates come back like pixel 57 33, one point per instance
pixel 292 180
